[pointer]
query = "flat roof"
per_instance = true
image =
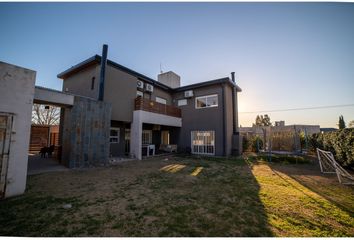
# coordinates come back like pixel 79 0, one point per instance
pixel 96 59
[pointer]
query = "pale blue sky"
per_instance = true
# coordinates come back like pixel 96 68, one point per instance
pixel 285 55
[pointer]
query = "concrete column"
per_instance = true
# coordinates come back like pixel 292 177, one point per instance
pixel 135 136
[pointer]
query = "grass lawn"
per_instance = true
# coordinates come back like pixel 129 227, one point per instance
pixel 183 196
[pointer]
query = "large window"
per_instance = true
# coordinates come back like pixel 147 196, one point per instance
pixel 203 142
pixel 114 135
pixel 206 101
pixel 161 100
pixel 147 137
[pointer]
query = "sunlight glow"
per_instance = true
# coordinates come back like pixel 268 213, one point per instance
pixel 173 168
pixel 196 171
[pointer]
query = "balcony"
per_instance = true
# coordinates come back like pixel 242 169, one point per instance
pixel 155 107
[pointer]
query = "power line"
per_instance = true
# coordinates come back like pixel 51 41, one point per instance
pixel 305 108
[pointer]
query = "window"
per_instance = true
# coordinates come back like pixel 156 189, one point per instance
pixel 182 102
pixel 161 100
pixel 203 142
pixel 92 83
pixel 114 135
pixel 147 137
pixel 139 94
pixel 206 101
pixel 165 137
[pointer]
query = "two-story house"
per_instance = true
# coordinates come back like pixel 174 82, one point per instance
pixel 199 118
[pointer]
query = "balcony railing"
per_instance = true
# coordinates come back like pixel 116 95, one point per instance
pixel 155 107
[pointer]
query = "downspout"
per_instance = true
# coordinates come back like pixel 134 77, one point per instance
pixel 236 138
pixel 224 117
pixel 234 105
pixel 103 71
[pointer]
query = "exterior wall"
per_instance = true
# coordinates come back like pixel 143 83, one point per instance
pixel 229 118
pixel 162 94
pixel 86 133
pixel 118 149
pixel 16 97
pixel 201 119
pixel 80 83
pixel 120 90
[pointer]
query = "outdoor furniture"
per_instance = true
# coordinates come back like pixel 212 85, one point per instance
pixel 148 148
pixel 168 147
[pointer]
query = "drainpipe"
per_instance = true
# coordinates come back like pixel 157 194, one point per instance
pixel 103 71
pixel 224 117
pixel 234 105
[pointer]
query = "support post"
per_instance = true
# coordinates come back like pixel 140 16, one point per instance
pixel 135 137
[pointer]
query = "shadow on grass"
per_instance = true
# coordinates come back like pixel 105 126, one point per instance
pixel 222 201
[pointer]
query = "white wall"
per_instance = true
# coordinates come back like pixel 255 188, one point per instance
pixel 16 96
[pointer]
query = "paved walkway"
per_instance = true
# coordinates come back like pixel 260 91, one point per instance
pixel 37 165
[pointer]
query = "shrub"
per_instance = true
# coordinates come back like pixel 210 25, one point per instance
pixel 340 143
pixel 250 143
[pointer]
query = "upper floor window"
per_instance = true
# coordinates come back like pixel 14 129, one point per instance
pixel 182 102
pixel 206 101
pixel 92 83
pixel 161 100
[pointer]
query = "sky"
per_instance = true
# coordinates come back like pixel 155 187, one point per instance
pixel 285 55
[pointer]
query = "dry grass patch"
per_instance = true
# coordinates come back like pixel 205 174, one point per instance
pixel 226 198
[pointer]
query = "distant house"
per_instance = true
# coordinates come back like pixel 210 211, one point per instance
pixel 328 129
pixel 201 118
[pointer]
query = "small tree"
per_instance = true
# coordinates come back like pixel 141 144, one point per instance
pixel 263 121
pixel 341 123
pixel 45 115
pixel 266 120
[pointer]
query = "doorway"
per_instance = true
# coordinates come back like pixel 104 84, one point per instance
pixel 5 139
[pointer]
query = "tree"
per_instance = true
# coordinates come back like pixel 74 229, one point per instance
pixel 45 115
pixel 263 121
pixel 351 124
pixel 341 123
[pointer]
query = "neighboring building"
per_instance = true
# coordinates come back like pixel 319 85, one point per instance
pixel 200 118
pixel 280 126
pixel 328 129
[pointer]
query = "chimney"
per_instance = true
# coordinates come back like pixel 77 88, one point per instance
pixel 170 79
pixel 233 76
pixel 103 71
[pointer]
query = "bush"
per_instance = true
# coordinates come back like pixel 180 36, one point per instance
pixel 250 143
pixel 340 143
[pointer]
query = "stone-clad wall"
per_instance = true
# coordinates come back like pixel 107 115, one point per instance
pixel 86 129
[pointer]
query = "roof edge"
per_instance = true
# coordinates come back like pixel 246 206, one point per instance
pixel 96 58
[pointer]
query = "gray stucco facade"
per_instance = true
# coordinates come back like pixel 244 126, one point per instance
pixel 120 91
